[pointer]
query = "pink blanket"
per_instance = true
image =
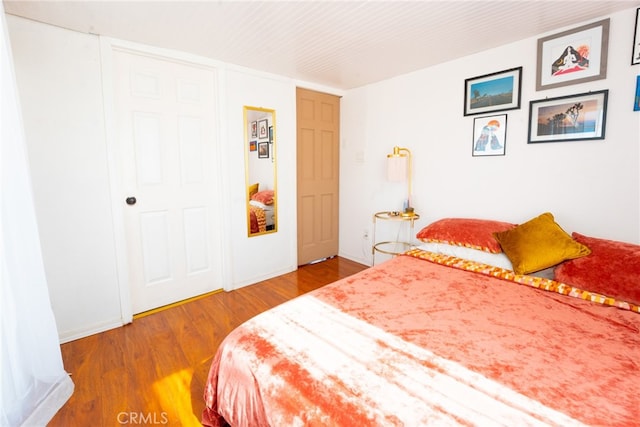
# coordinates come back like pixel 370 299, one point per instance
pixel 411 342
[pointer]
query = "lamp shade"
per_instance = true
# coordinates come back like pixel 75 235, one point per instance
pixel 396 167
pixel 399 169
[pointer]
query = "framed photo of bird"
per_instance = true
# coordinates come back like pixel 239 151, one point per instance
pixel 574 56
pixel 568 118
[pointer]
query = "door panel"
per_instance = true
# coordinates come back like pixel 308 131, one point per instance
pixel 166 149
pixel 156 254
pixel 318 117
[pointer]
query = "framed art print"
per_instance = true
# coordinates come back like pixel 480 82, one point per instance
pixel 636 98
pixel 568 118
pixel 574 56
pixel 489 135
pixel 263 129
pixel 263 150
pixel 254 129
pixel 498 91
pixel 635 56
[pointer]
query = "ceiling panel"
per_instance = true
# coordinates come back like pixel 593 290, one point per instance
pixel 341 44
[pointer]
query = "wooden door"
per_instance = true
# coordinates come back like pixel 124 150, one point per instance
pixel 169 182
pixel 318 144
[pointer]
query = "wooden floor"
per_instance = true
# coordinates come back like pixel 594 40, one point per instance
pixel 152 372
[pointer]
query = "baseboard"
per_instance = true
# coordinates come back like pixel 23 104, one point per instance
pixel 359 260
pixel 260 278
pixel 73 335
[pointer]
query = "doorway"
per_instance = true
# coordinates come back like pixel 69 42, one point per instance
pixel 318 180
pixel 166 154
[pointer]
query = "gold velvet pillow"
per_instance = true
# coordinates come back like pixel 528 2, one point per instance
pixel 538 244
pixel 253 189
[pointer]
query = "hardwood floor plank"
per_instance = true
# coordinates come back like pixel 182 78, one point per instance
pixel 153 371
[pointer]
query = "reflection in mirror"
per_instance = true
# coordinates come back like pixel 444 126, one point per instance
pixel 260 170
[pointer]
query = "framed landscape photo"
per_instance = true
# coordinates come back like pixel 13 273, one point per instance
pixel 489 135
pixel 635 56
pixel 568 118
pixel 493 92
pixel 575 56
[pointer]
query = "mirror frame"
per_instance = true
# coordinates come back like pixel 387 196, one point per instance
pixel 251 115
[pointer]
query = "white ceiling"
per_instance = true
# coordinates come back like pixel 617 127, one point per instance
pixel 340 44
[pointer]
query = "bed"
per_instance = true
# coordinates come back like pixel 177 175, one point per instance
pixel 261 210
pixel 467 329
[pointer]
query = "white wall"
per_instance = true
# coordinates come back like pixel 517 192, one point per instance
pixel 60 84
pixel 261 257
pixel 592 187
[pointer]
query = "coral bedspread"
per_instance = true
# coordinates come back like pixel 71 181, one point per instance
pixel 257 220
pixel 413 342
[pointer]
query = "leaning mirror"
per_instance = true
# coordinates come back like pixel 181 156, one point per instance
pixel 260 170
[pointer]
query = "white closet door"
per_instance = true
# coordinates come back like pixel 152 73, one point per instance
pixel 169 183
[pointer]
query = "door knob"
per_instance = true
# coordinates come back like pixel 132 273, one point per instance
pixel 131 200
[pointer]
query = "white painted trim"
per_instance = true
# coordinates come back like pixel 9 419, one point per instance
pixel 106 63
pixel 107 47
pixel 319 88
pixel 226 248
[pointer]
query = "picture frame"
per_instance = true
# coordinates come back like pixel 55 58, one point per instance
pixel 270 134
pixel 263 129
pixel 253 145
pixel 575 56
pixel 489 136
pixel 636 99
pixel 499 91
pixel 635 52
pixel 263 150
pixel 254 129
pixel 577 117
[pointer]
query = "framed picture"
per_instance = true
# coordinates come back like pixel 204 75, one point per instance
pixel 489 135
pixel 263 129
pixel 263 150
pixel 270 134
pixel 635 55
pixel 636 99
pixel 568 118
pixel 493 92
pixel 574 56
pixel 254 129
pixel 253 145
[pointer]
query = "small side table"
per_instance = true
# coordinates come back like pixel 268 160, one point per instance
pixel 393 247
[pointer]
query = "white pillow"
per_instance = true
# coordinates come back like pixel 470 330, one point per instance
pixel 484 257
pixel 257 204
pixel 497 260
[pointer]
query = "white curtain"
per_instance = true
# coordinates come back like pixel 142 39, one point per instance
pixel 34 383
